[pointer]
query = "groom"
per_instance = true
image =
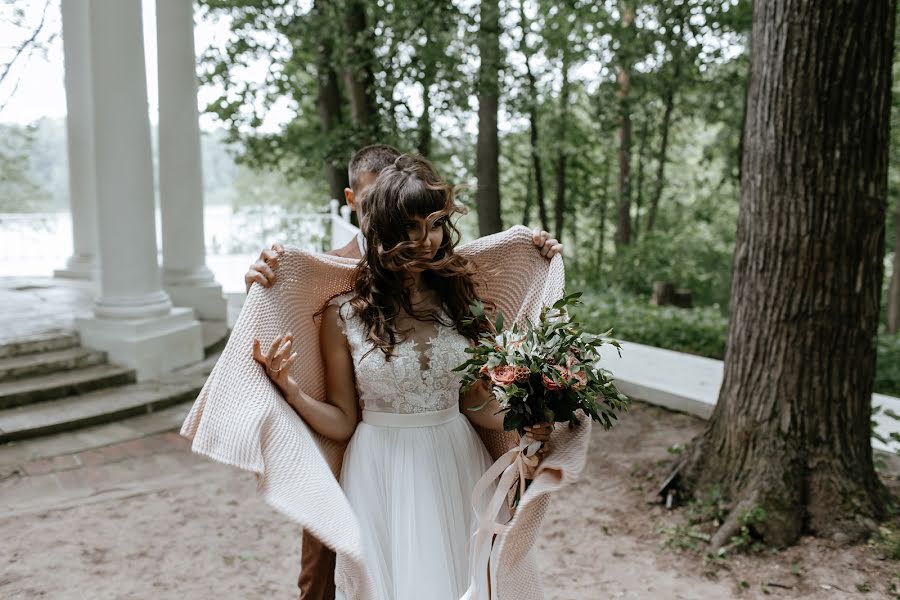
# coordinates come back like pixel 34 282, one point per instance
pixel 316 560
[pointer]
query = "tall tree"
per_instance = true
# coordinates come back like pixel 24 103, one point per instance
pixel 328 100
pixel 893 301
pixel 534 136
pixel 487 166
pixel 562 149
pixel 790 433
pixel 359 78
pixel 675 19
pixel 623 76
pixel 639 180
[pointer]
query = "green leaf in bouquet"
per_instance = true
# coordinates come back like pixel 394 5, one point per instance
pixel 480 406
pixel 465 365
pixel 499 321
pixel 477 308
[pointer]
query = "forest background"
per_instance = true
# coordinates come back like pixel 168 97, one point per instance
pixel 615 125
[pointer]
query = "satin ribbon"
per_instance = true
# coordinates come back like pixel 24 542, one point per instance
pixel 510 465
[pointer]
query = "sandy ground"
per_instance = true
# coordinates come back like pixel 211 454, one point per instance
pixel 200 532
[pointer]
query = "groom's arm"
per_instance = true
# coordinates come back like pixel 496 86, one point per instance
pixel 548 245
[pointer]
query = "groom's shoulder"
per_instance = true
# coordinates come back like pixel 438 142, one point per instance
pixel 349 250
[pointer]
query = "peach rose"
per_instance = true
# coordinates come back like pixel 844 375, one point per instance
pixel 549 383
pixel 580 377
pixel 503 375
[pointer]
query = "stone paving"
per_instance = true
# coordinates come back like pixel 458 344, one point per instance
pixel 39 305
pixel 134 466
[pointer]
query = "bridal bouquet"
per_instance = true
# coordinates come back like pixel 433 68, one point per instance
pixel 544 371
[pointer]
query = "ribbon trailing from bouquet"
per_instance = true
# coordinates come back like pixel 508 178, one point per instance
pixel 507 468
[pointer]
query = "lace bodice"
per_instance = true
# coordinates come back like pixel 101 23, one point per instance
pixel 418 377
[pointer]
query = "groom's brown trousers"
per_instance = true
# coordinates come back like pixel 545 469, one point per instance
pixel 316 570
pixel 316 560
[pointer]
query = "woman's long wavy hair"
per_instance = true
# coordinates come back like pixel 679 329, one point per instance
pixel 410 188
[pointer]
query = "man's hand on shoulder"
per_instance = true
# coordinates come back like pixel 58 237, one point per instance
pixel 548 245
pixel 262 271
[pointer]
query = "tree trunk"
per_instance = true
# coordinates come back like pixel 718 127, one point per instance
pixel 604 207
pixel 529 198
pixel 559 208
pixel 639 183
pixel 423 143
pixel 893 307
pixel 533 124
pixel 328 105
pixel 668 97
pixel 487 155
pixel 791 431
pixel 358 77
pixel 623 230
pixel 669 105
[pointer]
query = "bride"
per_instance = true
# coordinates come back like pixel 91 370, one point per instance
pixel 388 349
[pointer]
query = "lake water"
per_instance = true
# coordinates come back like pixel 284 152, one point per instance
pixel 36 244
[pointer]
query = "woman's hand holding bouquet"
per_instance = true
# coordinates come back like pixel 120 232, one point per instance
pixel 543 373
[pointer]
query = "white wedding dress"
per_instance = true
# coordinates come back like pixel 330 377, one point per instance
pixel 410 467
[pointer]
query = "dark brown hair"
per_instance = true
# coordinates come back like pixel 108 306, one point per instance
pixel 370 159
pixel 410 188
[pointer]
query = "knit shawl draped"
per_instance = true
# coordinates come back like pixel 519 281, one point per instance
pixel 241 419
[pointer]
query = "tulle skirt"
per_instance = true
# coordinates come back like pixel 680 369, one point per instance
pixel 409 479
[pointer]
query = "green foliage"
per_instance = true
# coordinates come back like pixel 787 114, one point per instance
pixel 543 371
pixel 887 541
pixel 698 331
pixel 745 539
pixel 887 372
pixel 701 331
pixel 20 191
pixel 704 515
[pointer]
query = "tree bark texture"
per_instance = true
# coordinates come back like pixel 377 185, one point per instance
pixel 791 430
pixel 668 107
pixel 623 229
pixel 328 105
pixel 639 180
pixel 534 136
pixel 559 208
pixel 487 160
pixel 893 307
pixel 358 78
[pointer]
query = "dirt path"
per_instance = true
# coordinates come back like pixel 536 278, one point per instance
pixel 151 520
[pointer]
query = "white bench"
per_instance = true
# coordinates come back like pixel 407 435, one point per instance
pixel 690 384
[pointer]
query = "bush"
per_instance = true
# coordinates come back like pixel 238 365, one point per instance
pixel 887 373
pixel 700 331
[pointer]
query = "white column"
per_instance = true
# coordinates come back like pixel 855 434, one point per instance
pixel 80 138
pixel 185 276
pixel 133 317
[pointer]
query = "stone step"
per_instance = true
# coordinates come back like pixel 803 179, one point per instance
pixel 99 406
pixel 15 453
pixel 49 362
pixel 65 383
pixel 48 341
